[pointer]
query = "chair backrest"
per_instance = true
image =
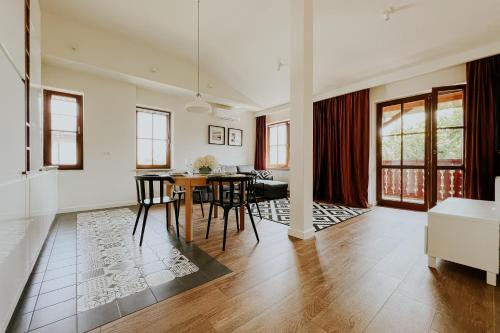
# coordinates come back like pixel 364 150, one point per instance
pixel 146 185
pixel 231 184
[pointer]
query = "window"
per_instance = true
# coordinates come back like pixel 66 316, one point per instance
pixel 63 130
pixel 153 139
pixel 278 144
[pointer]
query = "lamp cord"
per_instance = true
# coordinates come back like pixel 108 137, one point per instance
pixel 198 49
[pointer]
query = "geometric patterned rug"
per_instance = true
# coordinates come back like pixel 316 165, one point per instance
pixel 324 215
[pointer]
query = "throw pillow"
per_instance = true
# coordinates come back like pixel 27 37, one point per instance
pixel 264 174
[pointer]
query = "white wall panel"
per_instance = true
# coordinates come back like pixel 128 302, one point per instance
pixel 12 124
pixel 12 30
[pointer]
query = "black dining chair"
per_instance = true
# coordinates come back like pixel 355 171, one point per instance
pixel 179 192
pixel 145 186
pixel 252 196
pixel 233 192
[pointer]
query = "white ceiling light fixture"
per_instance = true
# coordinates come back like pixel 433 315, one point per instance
pixel 198 105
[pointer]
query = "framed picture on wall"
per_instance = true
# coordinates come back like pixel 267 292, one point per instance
pixel 216 135
pixel 235 137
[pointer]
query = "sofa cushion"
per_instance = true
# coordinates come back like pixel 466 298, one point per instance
pixel 273 189
pixel 264 174
pixel 246 169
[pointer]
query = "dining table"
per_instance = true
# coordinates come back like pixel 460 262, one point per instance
pixel 189 182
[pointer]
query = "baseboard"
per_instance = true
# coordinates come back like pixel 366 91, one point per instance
pixel 301 234
pixel 93 207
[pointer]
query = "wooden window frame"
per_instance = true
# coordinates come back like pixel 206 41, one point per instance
pixel 169 141
pixel 268 146
pixel 434 130
pixel 47 137
pixel 402 204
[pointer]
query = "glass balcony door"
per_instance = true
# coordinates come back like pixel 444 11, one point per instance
pixel 447 143
pixel 404 152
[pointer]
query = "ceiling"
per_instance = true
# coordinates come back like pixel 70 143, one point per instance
pixel 243 40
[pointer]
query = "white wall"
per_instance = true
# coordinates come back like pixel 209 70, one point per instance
pixel 109 132
pixel 190 131
pixel 410 87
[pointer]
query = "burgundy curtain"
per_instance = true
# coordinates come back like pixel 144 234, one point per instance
pixel 260 143
pixel 482 99
pixel 341 149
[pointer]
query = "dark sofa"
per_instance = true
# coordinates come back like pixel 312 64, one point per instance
pixel 266 188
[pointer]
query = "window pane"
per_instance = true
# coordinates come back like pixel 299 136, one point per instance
pixel 144 152
pixel 391 120
pixel 282 135
pixel 62 105
pixel 159 126
pixel 282 155
pixel 391 150
pixel 450 112
pixel 144 125
pixel 450 146
pixel 63 123
pixel 413 185
pixel 63 148
pixel 159 152
pixel 414 117
pixel 414 149
pixel 391 184
pixel 273 155
pixel 273 136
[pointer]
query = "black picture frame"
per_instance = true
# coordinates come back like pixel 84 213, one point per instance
pixel 234 137
pixel 213 139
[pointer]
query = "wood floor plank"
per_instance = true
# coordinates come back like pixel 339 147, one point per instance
pixel 368 273
pixel 401 314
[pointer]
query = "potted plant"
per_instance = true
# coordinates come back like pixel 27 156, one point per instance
pixel 205 164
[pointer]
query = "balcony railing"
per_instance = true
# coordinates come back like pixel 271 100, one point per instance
pixel 449 184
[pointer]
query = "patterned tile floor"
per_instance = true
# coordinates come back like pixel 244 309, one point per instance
pixel 91 271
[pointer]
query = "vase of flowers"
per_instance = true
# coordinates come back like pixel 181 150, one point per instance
pixel 205 164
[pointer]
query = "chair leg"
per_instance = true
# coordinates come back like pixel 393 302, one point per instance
pixel 209 219
pixel 237 218
pixel 201 203
pixel 168 217
pixel 176 205
pixel 226 215
pixel 257 204
pixel 144 223
pixel 137 219
pixel 253 223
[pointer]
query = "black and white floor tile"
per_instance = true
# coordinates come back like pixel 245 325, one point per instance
pixel 92 271
pixel 324 215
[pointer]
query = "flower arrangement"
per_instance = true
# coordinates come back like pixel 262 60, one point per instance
pixel 205 164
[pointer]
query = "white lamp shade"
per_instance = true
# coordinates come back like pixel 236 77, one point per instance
pixel 198 106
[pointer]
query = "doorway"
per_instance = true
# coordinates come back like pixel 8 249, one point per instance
pixel 420 150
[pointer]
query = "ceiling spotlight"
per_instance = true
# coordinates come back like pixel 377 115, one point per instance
pixel 154 69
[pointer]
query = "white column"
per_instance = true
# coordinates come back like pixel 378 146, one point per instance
pixel 301 119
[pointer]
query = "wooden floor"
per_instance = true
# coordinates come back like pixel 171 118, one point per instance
pixel 365 275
